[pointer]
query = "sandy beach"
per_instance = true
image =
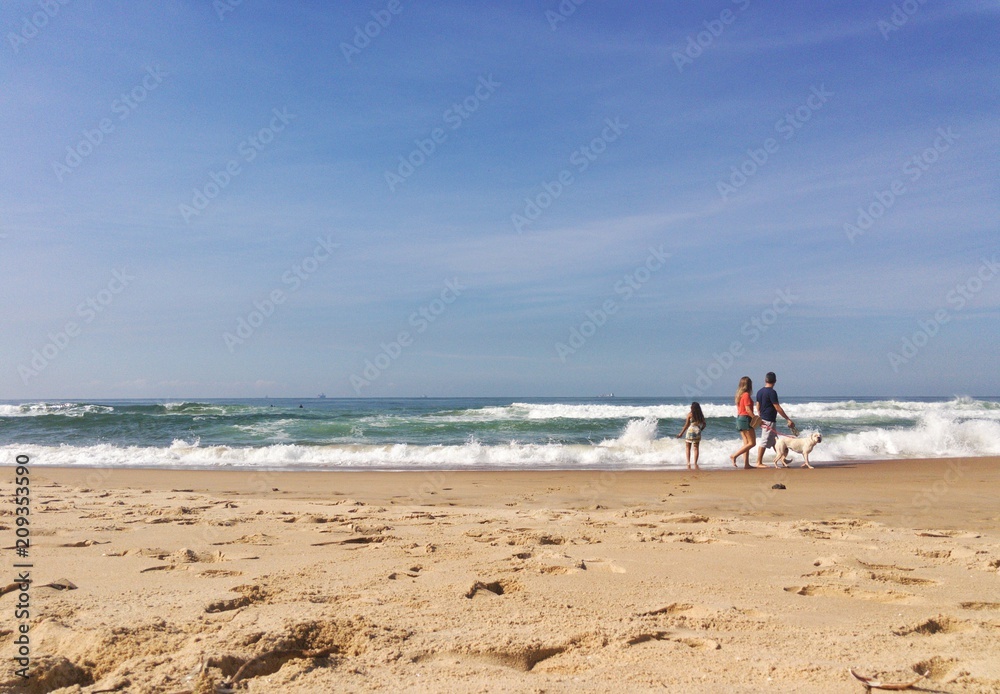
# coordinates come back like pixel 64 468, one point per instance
pixel 203 581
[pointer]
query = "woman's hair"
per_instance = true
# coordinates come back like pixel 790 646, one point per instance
pixel 745 386
pixel 696 415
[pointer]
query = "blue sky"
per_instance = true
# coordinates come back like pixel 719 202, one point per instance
pixel 524 250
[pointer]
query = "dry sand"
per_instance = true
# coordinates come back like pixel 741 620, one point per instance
pixel 511 581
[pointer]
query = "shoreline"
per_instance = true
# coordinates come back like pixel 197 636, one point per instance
pixel 891 486
pixel 319 469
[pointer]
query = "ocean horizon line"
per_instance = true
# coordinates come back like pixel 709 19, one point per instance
pixel 716 396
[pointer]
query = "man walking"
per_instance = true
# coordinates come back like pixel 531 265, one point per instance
pixel 769 409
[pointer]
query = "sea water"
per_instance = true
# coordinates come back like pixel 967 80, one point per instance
pixel 470 433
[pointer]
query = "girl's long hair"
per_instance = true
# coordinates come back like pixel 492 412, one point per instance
pixel 696 415
pixel 745 386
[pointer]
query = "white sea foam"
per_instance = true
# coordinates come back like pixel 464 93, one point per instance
pixel 639 433
pixel 40 409
pixel 935 435
pixel 637 448
pixel 275 430
pixel 844 410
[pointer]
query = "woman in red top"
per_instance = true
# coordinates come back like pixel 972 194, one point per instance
pixel 744 413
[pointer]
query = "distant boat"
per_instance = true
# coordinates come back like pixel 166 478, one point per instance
pixel 321 396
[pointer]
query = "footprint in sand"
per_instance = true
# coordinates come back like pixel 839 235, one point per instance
pixel 898 579
pixel 558 570
pixel 492 589
pixel 603 565
pixel 219 573
pixel 936 668
pixel 848 592
pixel 685 518
pixel 179 560
pixel 993 606
pixel 255 539
pixel 815 533
pixel 940 624
pixel 249 595
pixel 957 534
pixel 828 561
pixel 698 539
pixel 85 543
pixel 672 608
pixel 940 554
pixel 696 642
pixel 523 658
pixel 858 570
pixel 412 572
pixel 883 567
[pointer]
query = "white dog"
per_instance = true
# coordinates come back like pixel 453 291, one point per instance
pixel 803 446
